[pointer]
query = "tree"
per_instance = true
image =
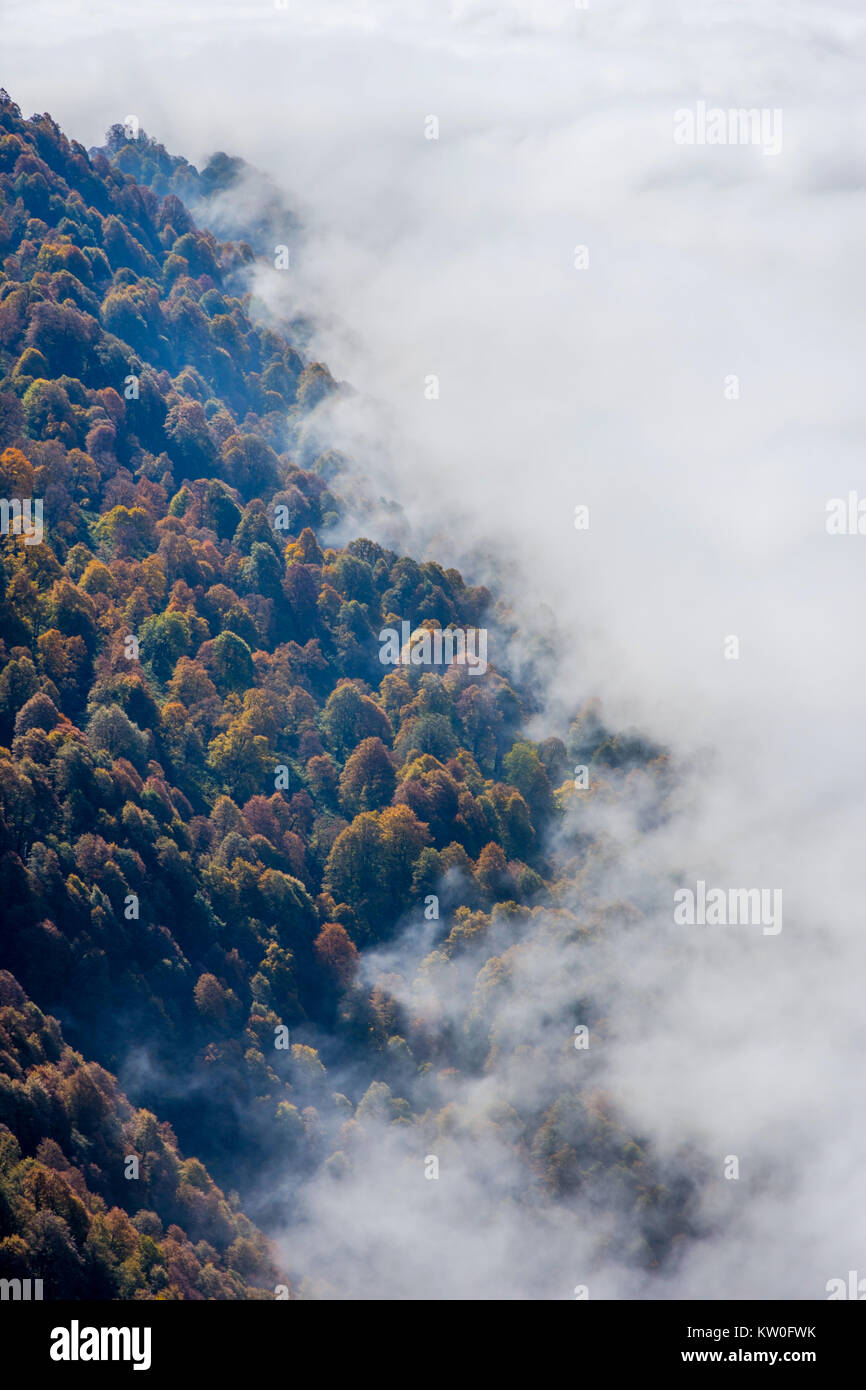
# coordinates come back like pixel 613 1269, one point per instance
pixel 164 638
pixel 430 733
pixel 323 779
pixel 109 728
pixel 241 760
pixel 286 902
pixel 433 795
pixel 229 661
pixel 63 335
pixel 523 768
pixel 18 681
pixel 371 865
pixel 368 779
pixel 190 441
pixel 211 999
pixel 251 465
pixel 337 954
pixel 350 716
pixel 16 474
pixel 315 385
pixel 492 873
pixel 125 531
pixel 39 713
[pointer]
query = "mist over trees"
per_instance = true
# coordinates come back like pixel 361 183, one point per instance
pixel 215 800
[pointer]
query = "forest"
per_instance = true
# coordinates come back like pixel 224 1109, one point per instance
pixel 217 804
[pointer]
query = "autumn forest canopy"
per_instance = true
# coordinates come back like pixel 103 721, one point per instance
pixel 219 809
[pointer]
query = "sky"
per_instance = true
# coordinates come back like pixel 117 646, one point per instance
pixel 696 382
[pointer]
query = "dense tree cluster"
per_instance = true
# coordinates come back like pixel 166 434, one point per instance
pixel 213 794
pixel 95 1199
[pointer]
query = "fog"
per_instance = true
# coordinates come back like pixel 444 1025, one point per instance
pixel 608 386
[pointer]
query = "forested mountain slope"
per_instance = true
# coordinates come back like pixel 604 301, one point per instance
pixel 69 1213
pixel 214 796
